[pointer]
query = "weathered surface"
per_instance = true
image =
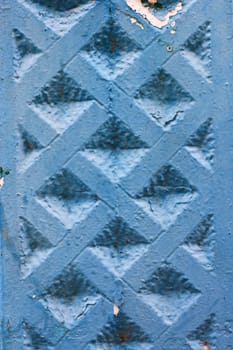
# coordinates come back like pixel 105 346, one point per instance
pixel 116 217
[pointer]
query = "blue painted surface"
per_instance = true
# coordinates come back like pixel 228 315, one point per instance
pixel 118 137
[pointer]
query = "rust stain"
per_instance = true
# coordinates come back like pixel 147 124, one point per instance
pixel 206 345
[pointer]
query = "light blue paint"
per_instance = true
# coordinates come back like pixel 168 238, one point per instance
pixel 120 153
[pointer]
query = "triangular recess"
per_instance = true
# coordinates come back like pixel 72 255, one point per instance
pixel 61 101
pixel 67 197
pixel 111 50
pixel 35 248
pixel 204 336
pixel 201 144
pixel 169 293
pixel 164 98
pixel 34 340
pixel 26 53
pixel 119 246
pixel 121 333
pixel 60 15
pixel 115 149
pixel 29 148
pixel 70 296
pixel 197 49
pixel 200 243
pixel 166 195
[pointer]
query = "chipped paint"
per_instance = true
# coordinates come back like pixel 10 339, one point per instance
pixel 137 6
pixel 116 310
pixel 134 20
pixel 1 181
pixel 173 24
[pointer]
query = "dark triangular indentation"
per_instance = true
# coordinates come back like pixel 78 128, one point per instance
pixel 169 291
pixel 163 98
pixel 114 135
pixel 35 247
pixel 33 339
pixel 120 331
pixel 201 144
pixel 166 195
pixel 62 89
pixel 69 296
pixel 115 149
pixel 197 49
pixel 201 242
pixel 29 143
pixel 25 53
pixel 61 101
pixel 119 245
pixel 118 234
pixel 61 5
pixel 69 285
pixel 33 238
pixel 204 335
pixel 60 15
pixel 67 196
pixel 111 50
pixel 65 186
pixel 167 281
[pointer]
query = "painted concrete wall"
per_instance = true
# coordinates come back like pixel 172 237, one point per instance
pixel 116 124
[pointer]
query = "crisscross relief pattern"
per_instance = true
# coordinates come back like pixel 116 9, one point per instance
pixel 112 135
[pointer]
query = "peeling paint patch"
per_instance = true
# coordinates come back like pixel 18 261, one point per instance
pixel 134 20
pixel 137 6
pixel 116 310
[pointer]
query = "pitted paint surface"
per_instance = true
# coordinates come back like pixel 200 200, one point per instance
pixel 116 217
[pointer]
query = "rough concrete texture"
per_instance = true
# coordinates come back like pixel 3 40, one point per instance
pixel 116 119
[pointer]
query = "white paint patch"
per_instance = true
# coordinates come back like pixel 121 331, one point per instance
pixel 116 310
pixel 134 20
pixel 1 181
pixel 137 6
